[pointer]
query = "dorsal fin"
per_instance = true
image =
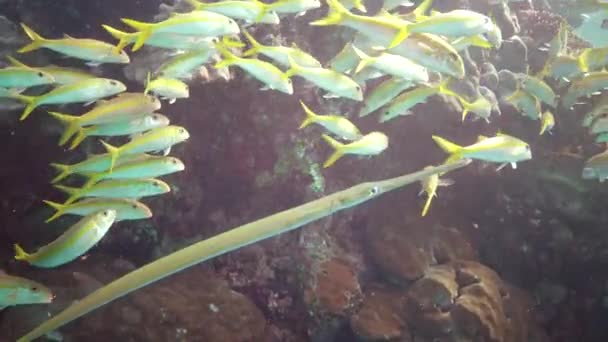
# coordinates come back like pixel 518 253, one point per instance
pixel 67 36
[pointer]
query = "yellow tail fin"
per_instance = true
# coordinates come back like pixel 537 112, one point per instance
pixel 20 254
pixel 124 38
pixel 338 151
pixel 402 35
pixel 80 136
pixel 447 146
pixel 255 45
pixel 70 121
pixel 145 31
pixel 227 57
pixel 365 60
pixel 37 40
pixel 56 206
pixel 113 152
pixel 310 116
pixel 64 171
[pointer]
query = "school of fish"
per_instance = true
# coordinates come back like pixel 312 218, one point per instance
pixel 394 63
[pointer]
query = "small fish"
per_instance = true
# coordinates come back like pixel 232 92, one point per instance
pixel 182 66
pixel 271 76
pixel 599 109
pixel 393 65
pixel 336 124
pixel 384 93
pixel 124 107
pixel 197 23
pixel 402 104
pixel 20 291
pixel 158 139
pixel 117 188
pixel 24 77
pixel 72 244
pixel 280 54
pixel 126 209
pixel 148 167
pixel 335 83
pixel 538 88
pixel 481 107
pixel 61 75
pixel 527 104
pixel 600 126
pixel 165 40
pixel 169 89
pixel 456 23
pixel 370 144
pixel 547 122
pixel 94 164
pixel 587 85
pixel 502 148
pixel 429 186
pixel 94 51
pixel 250 11
pixel 84 91
pixel 596 167
pixel 293 6
pixel 119 128
pixel 563 68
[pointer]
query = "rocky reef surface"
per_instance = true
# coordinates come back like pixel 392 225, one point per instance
pixel 514 256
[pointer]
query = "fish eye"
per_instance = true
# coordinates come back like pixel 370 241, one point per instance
pixel 34 288
pixel 134 206
pixel 374 191
pixel 114 83
pixel 105 213
pixel 182 131
pixel 358 87
pixel 40 74
pixel 174 161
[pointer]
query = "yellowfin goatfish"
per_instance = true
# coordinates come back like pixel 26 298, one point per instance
pixel 158 139
pixel 24 77
pixel 250 11
pixel 429 186
pixel 167 88
pixel 271 76
pixel 335 83
pixel 293 6
pixel 94 164
pixel 538 88
pixel 197 23
pixel 182 66
pixel 586 86
pixel 370 144
pixel 280 54
pixel 61 75
pixel 596 167
pixel 93 51
pixel 563 68
pixel 402 104
pixel 428 50
pixel 165 40
pixel 84 91
pixel 527 104
pixel 547 122
pixel 149 167
pixel 600 108
pixel 124 107
pixel 502 148
pixel 72 244
pixel 336 124
pixel 21 291
pixel 456 23
pixel 126 209
pixel 119 128
pixel 117 188
pixel 394 65
pixel 383 94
